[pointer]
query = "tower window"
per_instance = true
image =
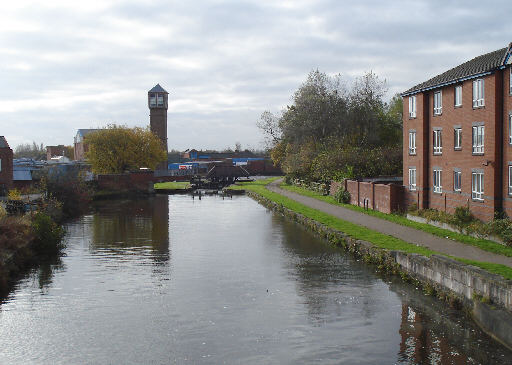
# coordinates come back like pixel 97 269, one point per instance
pixel 152 100
pixel 160 100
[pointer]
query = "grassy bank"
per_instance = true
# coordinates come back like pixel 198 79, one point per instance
pixel 24 240
pixel 173 185
pixel 483 244
pixel 378 239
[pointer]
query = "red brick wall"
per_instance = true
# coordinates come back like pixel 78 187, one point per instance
pixel 381 197
pixel 353 189
pixel 134 181
pixel 6 156
pixel 366 194
pixel 334 187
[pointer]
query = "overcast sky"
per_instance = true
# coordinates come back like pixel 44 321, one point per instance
pixel 66 65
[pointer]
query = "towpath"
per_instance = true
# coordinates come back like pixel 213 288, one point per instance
pixel 404 233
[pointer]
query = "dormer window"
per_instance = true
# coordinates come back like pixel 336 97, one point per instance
pixel 152 99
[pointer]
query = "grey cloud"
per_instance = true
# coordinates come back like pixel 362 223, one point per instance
pixel 224 62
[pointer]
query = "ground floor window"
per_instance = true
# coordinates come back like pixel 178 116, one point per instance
pixel 437 181
pixel 457 181
pixel 412 179
pixel 477 185
pixel 510 180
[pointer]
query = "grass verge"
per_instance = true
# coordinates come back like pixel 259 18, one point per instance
pixel 483 244
pixel 378 239
pixel 173 185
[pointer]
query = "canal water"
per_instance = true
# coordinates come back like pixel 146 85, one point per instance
pixel 168 280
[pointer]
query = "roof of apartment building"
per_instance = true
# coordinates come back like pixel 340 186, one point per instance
pixel 477 66
pixel 3 142
pixel 85 132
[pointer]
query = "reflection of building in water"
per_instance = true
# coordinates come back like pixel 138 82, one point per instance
pixel 419 344
pixel 133 223
pixel 160 227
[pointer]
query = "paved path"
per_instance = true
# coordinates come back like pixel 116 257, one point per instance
pixel 407 234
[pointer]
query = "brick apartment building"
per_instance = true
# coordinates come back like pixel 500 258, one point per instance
pixel 6 174
pixel 457 131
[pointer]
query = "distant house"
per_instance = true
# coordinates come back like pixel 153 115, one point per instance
pixel 80 146
pixel 6 156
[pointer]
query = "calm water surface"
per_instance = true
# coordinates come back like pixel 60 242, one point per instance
pixel 175 280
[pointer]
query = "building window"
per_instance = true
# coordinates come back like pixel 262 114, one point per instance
pixel 477 185
pixel 0 165
pixel 478 139
pixel 510 81
pixel 438 103
pixel 412 143
pixel 437 181
pixel 510 129
pixel 458 95
pixel 510 180
pixel 160 100
pixel 457 138
pixel 457 181
pixel 152 99
pixel 478 93
pixel 412 179
pixel 438 142
pixel 412 106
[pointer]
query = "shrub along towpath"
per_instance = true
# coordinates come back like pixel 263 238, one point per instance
pixel 407 234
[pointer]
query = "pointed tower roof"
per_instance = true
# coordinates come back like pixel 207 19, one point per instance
pixel 158 89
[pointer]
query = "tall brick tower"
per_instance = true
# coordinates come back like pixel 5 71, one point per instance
pixel 157 103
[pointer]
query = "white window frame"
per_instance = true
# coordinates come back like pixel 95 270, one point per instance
pixel 152 99
pixel 438 102
pixel 457 138
pixel 438 141
pixel 457 178
pixel 412 142
pixel 437 180
pixel 510 128
pixel 458 95
pixel 509 179
pixel 412 179
pixel 412 106
pixel 478 93
pixel 510 81
pixel 159 100
pixel 477 186
pixel 478 139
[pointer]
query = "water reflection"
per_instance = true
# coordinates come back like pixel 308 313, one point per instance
pixel 434 334
pixel 136 223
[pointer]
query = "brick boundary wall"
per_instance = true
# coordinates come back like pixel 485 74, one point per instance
pixel 385 198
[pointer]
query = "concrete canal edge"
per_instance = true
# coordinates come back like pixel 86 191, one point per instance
pixel 486 297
